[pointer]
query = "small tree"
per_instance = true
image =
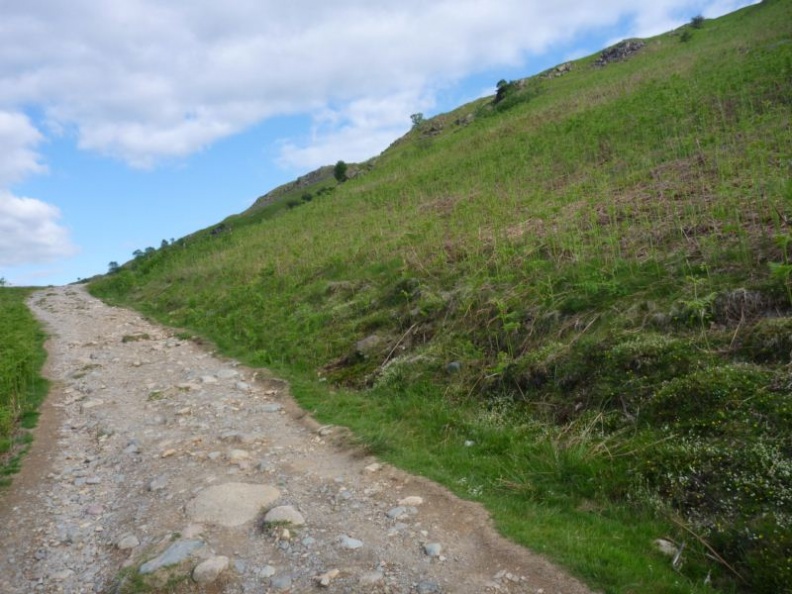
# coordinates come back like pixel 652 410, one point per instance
pixel 112 267
pixel 3 281
pixel 417 119
pixel 340 172
pixel 697 22
pixel 501 89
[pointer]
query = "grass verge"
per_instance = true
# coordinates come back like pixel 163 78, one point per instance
pixel 22 389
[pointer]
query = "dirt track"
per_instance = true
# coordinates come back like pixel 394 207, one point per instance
pixel 141 429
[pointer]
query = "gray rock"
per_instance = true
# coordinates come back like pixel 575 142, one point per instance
pixel 242 386
pixel 227 373
pixel 158 484
pixel 132 448
pixel 396 512
pixel 271 408
pixel 349 543
pixel 427 587
pixel 433 549
pixel 666 547
pixel 402 511
pixel 365 347
pixel 173 555
pixel 266 572
pixel 285 514
pixel 454 367
pixel 209 570
pixel 281 582
pixel 128 541
pixel 231 504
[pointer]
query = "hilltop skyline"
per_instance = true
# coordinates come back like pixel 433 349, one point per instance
pixel 128 123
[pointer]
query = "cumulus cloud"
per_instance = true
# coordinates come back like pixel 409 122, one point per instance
pixel 354 132
pixel 30 232
pixel 19 138
pixel 144 80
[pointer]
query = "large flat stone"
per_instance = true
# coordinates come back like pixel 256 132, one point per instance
pixel 231 504
pixel 173 555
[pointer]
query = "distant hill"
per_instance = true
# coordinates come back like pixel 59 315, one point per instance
pixel 314 178
pixel 570 301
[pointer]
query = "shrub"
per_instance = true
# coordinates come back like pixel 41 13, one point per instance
pixel 340 172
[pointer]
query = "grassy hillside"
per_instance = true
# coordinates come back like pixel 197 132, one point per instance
pixel 571 302
pixel 21 387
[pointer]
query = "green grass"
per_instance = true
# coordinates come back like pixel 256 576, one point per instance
pixel 590 283
pixel 22 389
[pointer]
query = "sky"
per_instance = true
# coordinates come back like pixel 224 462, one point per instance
pixel 126 122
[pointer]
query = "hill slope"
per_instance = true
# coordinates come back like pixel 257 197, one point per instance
pixel 570 302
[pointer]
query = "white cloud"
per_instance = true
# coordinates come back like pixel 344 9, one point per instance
pixel 355 132
pixel 18 158
pixel 144 80
pixel 30 233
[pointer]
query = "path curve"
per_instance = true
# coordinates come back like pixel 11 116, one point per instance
pixel 151 450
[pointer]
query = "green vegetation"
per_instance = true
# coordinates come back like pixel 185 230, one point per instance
pixel 21 387
pixel 340 172
pixel 576 309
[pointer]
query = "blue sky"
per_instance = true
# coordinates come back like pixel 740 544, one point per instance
pixel 126 122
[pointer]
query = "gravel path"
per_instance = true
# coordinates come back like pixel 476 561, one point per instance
pixel 156 460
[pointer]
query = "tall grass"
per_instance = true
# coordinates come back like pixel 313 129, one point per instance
pixel 21 387
pixel 590 287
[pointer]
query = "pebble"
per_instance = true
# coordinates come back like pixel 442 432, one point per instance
pixel 327 577
pixel 237 456
pixel 158 484
pixel 271 408
pixel 376 467
pixel 427 587
pixel 129 541
pixel 281 582
pixel 370 578
pixel 208 571
pixel 411 501
pixel 349 543
pixel 433 549
pixel 284 514
pixel 266 572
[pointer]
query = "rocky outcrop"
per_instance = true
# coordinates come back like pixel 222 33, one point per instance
pixel 619 52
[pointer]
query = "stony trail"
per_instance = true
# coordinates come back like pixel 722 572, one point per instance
pixel 156 461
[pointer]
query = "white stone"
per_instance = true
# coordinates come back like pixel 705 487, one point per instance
pixel 411 501
pixel 209 570
pixel 231 504
pixel 284 514
pixel 129 541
